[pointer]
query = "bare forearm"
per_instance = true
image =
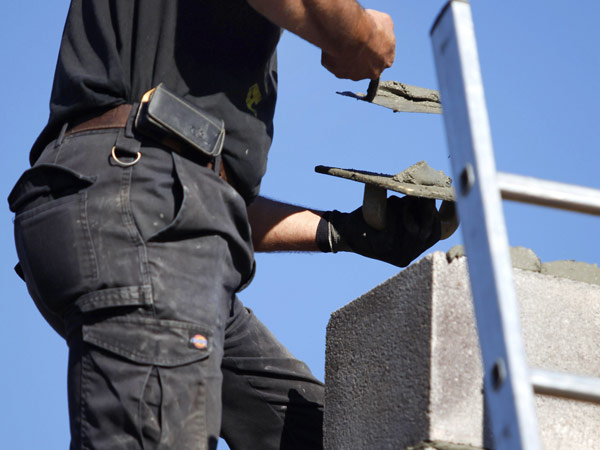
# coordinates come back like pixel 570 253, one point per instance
pixel 332 25
pixel 280 226
pixel 356 43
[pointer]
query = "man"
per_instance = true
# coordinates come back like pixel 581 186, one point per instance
pixel 135 232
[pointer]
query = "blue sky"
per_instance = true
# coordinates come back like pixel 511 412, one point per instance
pixel 540 63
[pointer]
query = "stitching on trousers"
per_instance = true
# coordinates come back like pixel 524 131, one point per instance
pixel 90 251
pixel 134 234
pixel 83 395
pixel 140 403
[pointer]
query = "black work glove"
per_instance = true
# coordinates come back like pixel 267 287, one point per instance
pixel 412 226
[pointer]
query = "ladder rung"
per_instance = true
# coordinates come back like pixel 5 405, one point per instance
pixel 564 385
pixel 549 193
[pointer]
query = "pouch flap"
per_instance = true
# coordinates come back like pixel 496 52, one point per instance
pixel 157 342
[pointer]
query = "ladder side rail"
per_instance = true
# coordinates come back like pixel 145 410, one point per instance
pixel 509 394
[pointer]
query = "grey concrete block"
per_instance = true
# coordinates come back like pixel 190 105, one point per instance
pixel 403 363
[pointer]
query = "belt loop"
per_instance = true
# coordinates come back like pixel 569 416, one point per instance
pixel 61 136
pixel 131 121
pixel 130 146
pixel 217 164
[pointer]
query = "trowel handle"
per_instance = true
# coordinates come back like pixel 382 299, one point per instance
pixel 374 206
pixel 372 90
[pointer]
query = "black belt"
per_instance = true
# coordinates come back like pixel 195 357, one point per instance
pixel 118 116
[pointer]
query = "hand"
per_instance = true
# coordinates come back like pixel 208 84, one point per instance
pixel 370 59
pixel 412 226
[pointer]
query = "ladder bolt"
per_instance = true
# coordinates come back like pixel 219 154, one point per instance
pixel 498 373
pixel 467 179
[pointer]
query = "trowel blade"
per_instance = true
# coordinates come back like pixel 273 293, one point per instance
pixel 388 182
pixel 401 97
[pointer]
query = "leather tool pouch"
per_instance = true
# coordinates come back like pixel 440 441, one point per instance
pixel 165 117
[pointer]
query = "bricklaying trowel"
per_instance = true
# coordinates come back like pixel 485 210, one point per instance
pixel 400 97
pixel 418 180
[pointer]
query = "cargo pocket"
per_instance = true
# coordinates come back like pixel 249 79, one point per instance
pixel 53 243
pixel 144 380
pixel 166 343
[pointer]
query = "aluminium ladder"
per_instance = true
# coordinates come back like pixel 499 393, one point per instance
pixel 509 384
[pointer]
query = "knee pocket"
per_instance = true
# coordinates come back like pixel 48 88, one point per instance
pixel 144 380
pixel 165 343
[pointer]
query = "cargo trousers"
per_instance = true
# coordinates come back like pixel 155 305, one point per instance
pixel 134 254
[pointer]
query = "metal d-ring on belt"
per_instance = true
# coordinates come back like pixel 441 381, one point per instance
pixel 117 117
pixel 116 159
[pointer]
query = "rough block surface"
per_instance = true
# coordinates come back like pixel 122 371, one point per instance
pixel 403 362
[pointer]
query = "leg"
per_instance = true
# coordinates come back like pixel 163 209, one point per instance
pixel 140 272
pixel 119 404
pixel 270 399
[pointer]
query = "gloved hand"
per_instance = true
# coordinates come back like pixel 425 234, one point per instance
pixel 412 226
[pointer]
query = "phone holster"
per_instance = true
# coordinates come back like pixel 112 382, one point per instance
pixel 164 116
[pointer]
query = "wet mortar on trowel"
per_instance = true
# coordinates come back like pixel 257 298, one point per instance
pixel 422 174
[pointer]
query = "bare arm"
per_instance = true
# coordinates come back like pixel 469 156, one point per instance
pixel 412 226
pixel 356 43
pixel 280 226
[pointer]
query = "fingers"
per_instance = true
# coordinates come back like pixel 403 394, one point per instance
pixel 412 226
pixel 410 215
pixel 418 216
pixel 449 219
pixel 427 216
pixel 383 44
pixel 349 68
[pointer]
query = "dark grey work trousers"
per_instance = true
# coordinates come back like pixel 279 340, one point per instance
pixel 137 266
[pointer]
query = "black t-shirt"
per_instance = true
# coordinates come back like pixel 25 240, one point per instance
pixel 217 54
